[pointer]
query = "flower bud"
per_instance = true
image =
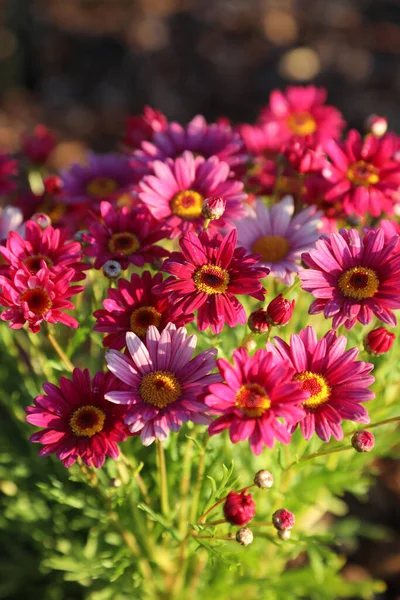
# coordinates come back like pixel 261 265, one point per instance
pixel 52 184
pixel 284 534
pixel 41 219
pixel 363 441
pixel 112 269
pixel 258 322
pixel 283 519
pixel 279 311
pixel 379 341
pixel 264 479
pixel 115 482
pixel 38 146
pixel 244 536
pixel 376 125
pixel 239 509
pixel 213 208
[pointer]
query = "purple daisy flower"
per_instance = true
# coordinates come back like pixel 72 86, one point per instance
pixel 166 384
pixel 335 381
pixel 279 236
pixel 177 190
pixel 353 278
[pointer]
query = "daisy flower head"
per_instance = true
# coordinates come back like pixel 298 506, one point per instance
pixel 300 111
pixel 335 382
pixel 166 385
pixel 176 192
pixel 140 128
pixel 353 277
pixel 37 298
pixel 279 236
pixel 208 274
pixel 254 395
pixel 134 306
pixel 126 235
pixel 364 175
pixel 77 421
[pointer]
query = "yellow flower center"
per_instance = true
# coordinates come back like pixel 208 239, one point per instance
pixel 187 205
pixel 302 123
pixel 363 173
pixel 211 279
pixel 125 243
pixel 142 318
pixel 160 388
pixel 359 282
pixel 317 387
pixel 252 400
pixel 272 248
pixel 37 299
pixel 101 186
pixel 87 420
pixel 33 262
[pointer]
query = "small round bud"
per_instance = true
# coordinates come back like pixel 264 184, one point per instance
pixel 283 519
pixel 264 479
pixel 213 208
pixel 112 269
pixel 239 509
pixel 379 341
pixel 115 482
pixel 376 125
pixel 353 220
pixel 41 219
pixel 244 536
pixel 279 311
pixel 284 534
pixel 363 441
pixel 257 321
pixel 249 344
pixel 52 184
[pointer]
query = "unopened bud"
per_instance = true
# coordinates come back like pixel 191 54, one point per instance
pixel 284 534
pixel 213 208
pixel 244 536
pixel 279 311
pixel 52 184
pixel 379 341
pixel 239 508
pixel 112 269
pixel 264 479
pixel 41 219
pixel 258 322
pixel 115 482
pixel 376 125
pixel 283 519
pixel 363 441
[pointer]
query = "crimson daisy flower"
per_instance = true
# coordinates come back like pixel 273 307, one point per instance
pixel 49 245
pixel 126 235
pixel 134 306
pixel 254 395
pixel 353 278
pixel 76 419
pixel 336 383
pixel 363 174
pixel 208 274
pixel 36 298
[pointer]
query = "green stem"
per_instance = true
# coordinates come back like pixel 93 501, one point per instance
pixel 199 480
pixel 185 487
pixel 212 537
pixel 64 358
pixel 162 474
pixel 291 289
pixel 318 454
pixel 384 422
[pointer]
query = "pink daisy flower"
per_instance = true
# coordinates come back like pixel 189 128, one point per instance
pixel 208 275
pixel 390 229
pixel 126 235
pixel 105 177
pixel 353 278
pixel 254 395
pixel 47 245
pixel 37 298
pixel 363 174
pixel 166 385
pixel 134 306
pixel 76 419
pixel 279 236
pixel 336 383
pixel 176 192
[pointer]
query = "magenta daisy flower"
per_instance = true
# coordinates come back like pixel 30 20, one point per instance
pixel 353 278
pixel 134 306
pixel 77 421
pixel 336 383
pixel 363 174
pixel 208 275
pixel 279 236
pixel 37 298
pixel 166 385
pixel 105 177
pixel 301 111
pixel 254 395
pixel 140 128
pixel 126 235
pixel 176 192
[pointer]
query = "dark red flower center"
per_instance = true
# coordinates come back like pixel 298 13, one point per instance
pixel 87 420
pixel 359 283
pixel 125 243
pixel 211 279
pixel 316 385
pixel 37 299
pixel 142 318
pixel 33 262
pixel 252 399
pixel 363 173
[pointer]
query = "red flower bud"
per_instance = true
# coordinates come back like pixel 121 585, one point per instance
pixel 214 207
pixel 41 219
pixel 258 321
pixel 379 341
pixel 376 125
pixel 283 519
pixel 363 441
pixel 38 146
pixel 239 509
pixel 52 184
pixel 279 311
